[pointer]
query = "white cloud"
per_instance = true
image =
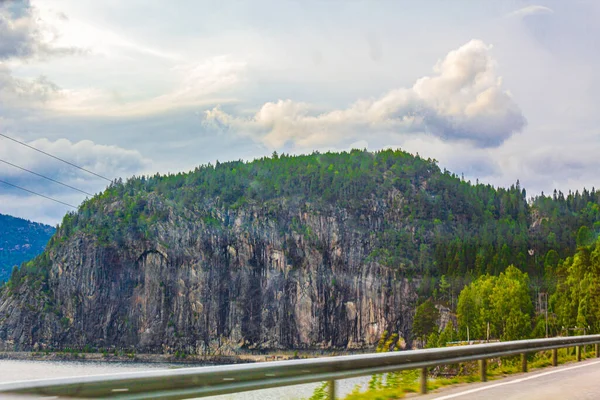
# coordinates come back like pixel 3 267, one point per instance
pixel 31 33
pixel 98 40
pixel 530 10
pixel 459 157
pixel 18 93
pixel 463 100
pixel 108 161
pixel 208 77
pixel 139 83
pixel 196 84
pixel 24 35
pixel 548 166
pixel 540 166
pixel 35 208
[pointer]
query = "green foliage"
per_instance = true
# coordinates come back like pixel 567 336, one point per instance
pixel 321 392
pixel 432 340
pixel 386 386
pixel 560 219
pixel 512 307
pixel 585 237
pixel 386 343
pixel 431 225
pixel 576 301
pixel 65 322
pixel 501 302
pixel 438 225
pixel 445 289
pixel 447 335
pixel 552 259
pixel 180 354
pixel 425 321
pixel 449 227
pixel 379 394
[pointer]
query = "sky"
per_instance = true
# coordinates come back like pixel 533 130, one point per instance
pixel 499 91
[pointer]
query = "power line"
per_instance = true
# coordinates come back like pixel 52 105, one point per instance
pixel 45 177
pixel 37 194
pixel 57 158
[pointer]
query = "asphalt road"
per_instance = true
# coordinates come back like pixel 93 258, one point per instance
pixel 570 381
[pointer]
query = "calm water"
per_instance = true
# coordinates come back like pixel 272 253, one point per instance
pixel 11 371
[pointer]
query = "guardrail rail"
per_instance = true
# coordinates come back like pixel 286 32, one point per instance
pixel 211 381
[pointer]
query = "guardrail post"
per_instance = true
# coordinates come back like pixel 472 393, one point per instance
pixel 597 348
pixel 331 390
pixel 578 352
pixel 554 357
pixel 423 380
pixel 523 362
pixel 483 370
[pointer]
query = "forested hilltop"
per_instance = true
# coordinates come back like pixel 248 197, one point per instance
pixel 20 241
pixel 321 250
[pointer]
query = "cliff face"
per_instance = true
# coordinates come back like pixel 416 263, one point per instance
pixel 281 274
pixel 317 251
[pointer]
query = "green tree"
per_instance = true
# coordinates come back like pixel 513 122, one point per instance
pixel 551 259
pixel 432 340
pixel 447 335
pixel 585 236
pixel 467 313
pixel 445 289
pixel 576 300
pixel 425 321
pixel 502 303
pixel 512 306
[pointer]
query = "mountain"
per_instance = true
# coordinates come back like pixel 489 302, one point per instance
pixel 315 251
pixel 20 241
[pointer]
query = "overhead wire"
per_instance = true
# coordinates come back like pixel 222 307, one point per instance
pixel 55 157
pixel 37 194
pixel 45 177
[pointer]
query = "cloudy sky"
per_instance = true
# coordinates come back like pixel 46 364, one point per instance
pixel 497 90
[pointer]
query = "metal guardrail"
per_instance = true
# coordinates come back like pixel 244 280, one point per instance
pixel 210 381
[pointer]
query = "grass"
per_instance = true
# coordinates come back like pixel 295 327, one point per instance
pixel 397 385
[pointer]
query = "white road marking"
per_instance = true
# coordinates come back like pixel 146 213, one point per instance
pixel 480 389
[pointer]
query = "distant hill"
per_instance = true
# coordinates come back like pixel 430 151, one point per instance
pixel 315 251
pixel 20 241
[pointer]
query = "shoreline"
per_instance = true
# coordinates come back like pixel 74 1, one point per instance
pixel 131 358
pixel 163 358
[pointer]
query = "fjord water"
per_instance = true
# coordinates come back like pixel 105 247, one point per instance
pixel 18 370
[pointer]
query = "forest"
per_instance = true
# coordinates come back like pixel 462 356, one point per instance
pixel 572 284
pixel 471 246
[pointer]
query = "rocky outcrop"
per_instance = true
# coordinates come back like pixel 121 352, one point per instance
pixel 446 317
pixel 267 276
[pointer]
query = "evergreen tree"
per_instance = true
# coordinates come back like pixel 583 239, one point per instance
pixel 425 321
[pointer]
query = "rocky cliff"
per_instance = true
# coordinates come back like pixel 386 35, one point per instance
pixel 320 251
pixel 245 279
